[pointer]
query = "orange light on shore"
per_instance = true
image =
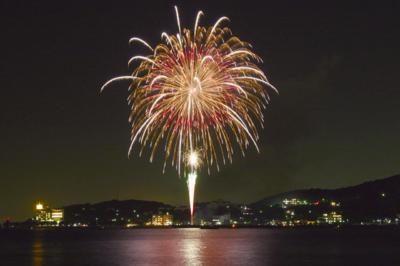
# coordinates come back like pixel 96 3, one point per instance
pixel 39 206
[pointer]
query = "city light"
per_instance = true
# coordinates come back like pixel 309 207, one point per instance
pixel 296 212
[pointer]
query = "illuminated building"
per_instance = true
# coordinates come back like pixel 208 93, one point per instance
pixel 57 215
pixel 294 202
pixel 331 218
pixel 162 219
pixel 157 220
pixel 42 213
pixel 48 217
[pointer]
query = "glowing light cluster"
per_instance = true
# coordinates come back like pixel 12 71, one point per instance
pixel 193 160
pixel 199 90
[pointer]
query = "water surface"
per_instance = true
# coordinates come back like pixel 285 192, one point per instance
pixel 363 246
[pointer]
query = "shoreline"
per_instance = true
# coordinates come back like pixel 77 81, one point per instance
pixel 110 228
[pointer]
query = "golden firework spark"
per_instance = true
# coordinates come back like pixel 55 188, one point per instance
pixel 199 92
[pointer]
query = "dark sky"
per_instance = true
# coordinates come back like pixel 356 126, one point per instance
pixel 335 123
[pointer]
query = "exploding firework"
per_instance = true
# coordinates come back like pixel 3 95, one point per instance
pixel 194 96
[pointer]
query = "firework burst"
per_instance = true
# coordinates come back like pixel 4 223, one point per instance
pixel 196 92
pixel 199 92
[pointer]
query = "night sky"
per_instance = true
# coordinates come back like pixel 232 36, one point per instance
pixel 335 122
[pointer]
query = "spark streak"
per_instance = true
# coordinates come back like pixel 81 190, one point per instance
pixel 191 183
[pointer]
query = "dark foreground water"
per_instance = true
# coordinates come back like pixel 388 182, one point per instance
pixel 359 246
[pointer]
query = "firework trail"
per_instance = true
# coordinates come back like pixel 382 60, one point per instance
pixel 194 96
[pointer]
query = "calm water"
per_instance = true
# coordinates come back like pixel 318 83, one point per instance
pixel 202 247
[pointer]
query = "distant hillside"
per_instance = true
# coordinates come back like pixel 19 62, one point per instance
pixel 371 200
pixel 110 211
pixel 140 205
pixel 379 198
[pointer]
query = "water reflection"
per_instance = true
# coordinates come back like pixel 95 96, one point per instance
pixel 37 250
pixel 223 246
pixel 192 246
pixel 199 247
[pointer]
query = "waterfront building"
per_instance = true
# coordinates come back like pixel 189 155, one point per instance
pixel 57 215
pixel 45 216
pixel 331 218
pixel 162 219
